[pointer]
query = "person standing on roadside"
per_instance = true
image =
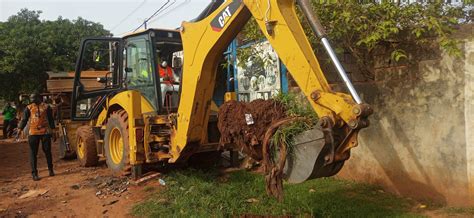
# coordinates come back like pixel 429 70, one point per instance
pixel 40 117
pixel 9 113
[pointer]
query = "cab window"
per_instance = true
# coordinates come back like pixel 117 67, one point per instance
pixel 139 71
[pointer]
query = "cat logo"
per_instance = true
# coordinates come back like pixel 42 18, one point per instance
pixel 224 17
pixel 219 22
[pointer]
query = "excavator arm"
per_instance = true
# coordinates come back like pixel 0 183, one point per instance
pixel 204 41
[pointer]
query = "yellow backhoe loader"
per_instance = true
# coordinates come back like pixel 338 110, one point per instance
pixel 140 117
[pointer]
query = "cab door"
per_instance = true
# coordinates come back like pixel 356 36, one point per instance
pixel 140 68
pixel 97 75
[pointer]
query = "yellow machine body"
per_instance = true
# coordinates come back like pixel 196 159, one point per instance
pixel 203 44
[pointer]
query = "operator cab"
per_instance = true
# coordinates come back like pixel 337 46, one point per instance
pixel 152 67
pixel 108 65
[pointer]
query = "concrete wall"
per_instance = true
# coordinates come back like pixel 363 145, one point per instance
pixel 421 139
pixel 469 115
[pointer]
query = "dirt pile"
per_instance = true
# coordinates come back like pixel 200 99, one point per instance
pixel 245 124
pixel 251 126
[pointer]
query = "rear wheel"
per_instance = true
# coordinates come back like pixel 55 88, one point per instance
pixel 116 138
pixel 85 147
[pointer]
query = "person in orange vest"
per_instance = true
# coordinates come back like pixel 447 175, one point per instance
pixel 41 121
pixel 166 73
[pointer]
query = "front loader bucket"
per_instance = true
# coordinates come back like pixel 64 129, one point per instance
pixel 306 160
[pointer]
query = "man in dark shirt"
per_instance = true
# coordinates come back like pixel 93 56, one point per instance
pixel 41 121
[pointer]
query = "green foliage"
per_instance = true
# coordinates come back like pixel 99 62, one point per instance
pixel 251 33
pixel 390 26
pixel 194 193
pixel 29 47
pixel 398 54
pixel 398 30
pixel 295 107
pixel 256 55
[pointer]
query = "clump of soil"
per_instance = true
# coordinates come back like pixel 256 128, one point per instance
pixel 248 137
pixel 253 135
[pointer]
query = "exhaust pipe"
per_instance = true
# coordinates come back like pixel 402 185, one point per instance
pixel 317 28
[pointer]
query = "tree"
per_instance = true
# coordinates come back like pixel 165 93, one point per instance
pixel 63 38
pixel 29 47
pixel 21 53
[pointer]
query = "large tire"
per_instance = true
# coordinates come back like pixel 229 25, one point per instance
pixel 117 150
pixel 85 147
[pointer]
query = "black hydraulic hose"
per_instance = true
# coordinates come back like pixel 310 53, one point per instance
pixel 313 19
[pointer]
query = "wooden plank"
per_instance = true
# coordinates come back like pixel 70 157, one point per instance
pixel 89 74
pixel 65 85
pixel 146 178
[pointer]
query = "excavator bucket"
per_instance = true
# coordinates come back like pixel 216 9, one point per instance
pixel 306 160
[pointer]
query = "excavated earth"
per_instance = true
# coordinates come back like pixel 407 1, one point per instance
pixel 234 127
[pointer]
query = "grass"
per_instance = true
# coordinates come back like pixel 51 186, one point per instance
pixel 467 211
pixel 295 107
pixel 195 193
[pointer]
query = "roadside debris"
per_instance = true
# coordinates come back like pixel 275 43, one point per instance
pixel 75 186
pixel 33 193
pixel 252 200
pixel 145 178
pixel 108 186
pixel 162 182
pixel 110 203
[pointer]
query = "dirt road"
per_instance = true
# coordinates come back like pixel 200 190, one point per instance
pixel 74 191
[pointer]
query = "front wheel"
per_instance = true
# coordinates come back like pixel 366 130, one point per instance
pixel 86 149
pixel 116 142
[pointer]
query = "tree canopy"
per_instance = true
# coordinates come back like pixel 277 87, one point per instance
pixel 363 28
pixel 30 46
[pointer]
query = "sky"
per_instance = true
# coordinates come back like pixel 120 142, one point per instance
pixel 119 16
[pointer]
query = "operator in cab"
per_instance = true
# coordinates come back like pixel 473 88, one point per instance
pixel 41 121
pixel 169 85
pixel 166 73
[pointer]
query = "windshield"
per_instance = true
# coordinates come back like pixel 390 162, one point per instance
pixel 139 71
